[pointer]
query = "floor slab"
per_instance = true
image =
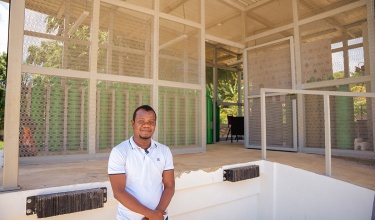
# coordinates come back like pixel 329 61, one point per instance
pixel 51 173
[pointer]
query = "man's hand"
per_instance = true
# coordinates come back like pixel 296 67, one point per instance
pixel 155 215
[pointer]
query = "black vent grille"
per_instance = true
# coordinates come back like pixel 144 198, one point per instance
pixel 66 202
pixel 241 173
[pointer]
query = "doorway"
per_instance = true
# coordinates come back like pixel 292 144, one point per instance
pixel 224 88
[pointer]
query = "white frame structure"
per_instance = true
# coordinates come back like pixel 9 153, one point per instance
pixel 293 79
pixel 15 68
pixel 327 123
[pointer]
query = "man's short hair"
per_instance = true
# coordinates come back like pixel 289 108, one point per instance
pixel 147 108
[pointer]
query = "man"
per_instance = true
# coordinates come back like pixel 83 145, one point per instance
pixel 141 171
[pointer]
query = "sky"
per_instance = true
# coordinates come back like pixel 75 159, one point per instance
pixel 4 16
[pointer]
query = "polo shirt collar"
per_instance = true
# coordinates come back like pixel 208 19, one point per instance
pixel 134 145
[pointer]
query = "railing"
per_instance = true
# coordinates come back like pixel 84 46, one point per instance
pixel 327 123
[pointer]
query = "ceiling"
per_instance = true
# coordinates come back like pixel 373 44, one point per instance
pixel 236 20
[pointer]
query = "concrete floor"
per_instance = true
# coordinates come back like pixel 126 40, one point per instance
pixel 51 173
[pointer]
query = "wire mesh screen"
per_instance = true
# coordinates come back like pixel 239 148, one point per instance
pixel 351 129
pixel 124 42
pixel 53 117
pixel 279 121
pixel 57 37
pixel 178 52
pixel 332 48
pixel 115 104
pixel 269 67
pixel 189 10
pixel 179 117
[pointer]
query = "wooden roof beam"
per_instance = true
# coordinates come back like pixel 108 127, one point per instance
pixel 266 23
pixel 173 6
pixel 320 33
pixel 226 57
pixel 257 4
pixel 223 20
pixel 237 6
pixel 330 21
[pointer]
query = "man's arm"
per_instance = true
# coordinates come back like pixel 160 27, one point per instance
pixel 169 187
pixel 118 183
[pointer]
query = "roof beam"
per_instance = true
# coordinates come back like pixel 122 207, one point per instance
pixel 320 33
pixel 310 19
pixel 222 20
pixel 257 4
pixel 266 23
pixel 173 6
pixel 329 20
pixel 229 2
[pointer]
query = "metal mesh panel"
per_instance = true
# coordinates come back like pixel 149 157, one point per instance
pixel 115 105
pixel 269 67
pixel 57 37
pixel 189 10
pixel 351 128
pixel 332 47
pixel 178 52
pixel 124 42
pixel 53 117
pixel 279 121
pixel 178 119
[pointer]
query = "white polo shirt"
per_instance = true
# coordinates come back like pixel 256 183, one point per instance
pixel 143 173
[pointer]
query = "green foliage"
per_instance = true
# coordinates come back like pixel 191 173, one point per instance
pixel 3 70
pixel 338 75
pixel 227 89
pixel 359 103
pixel 49 53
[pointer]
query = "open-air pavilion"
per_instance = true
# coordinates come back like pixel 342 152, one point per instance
pixel 298 74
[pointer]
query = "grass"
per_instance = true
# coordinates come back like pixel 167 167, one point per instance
pixel 1 145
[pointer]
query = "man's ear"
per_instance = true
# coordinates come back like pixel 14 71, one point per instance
pixel 132 121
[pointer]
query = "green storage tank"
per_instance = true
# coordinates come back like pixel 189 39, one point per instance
pixel 217 123
pixel 209 119
pixel 344 119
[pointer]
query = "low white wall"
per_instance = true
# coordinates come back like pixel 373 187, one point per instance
pixel 204 195
pixel 305 195
pixel 199 195
pixel 281 192
pixel 13 204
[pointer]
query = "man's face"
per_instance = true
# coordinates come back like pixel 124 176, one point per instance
pixel 144 124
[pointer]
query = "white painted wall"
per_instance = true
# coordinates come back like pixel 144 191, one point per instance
pixel 281 192
pixel 305 195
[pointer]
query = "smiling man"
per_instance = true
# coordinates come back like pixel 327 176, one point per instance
pixel 141 171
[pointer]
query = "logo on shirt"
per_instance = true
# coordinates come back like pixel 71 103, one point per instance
pixel 158 159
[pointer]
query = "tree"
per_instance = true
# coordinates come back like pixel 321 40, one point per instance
pixel 49 53
pixel 227 90
pixel 3 70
